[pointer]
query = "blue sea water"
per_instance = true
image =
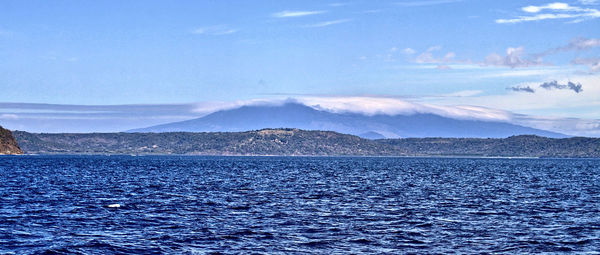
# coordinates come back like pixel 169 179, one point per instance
pixel 270 205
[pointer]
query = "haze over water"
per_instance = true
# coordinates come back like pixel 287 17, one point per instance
pixel 169 204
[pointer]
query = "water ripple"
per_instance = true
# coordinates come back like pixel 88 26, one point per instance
pixel 270 205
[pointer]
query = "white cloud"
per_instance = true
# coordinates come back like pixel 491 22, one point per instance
pixel 329 23
pixel 214 30
pixel 291 14
pixel 409 51
pixel 427 57
pixel 551 6
pixel 9 116
pixel 556 11
pixel 513 58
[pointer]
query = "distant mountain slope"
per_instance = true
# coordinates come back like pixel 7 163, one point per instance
pixel 294 115
pixel 8 144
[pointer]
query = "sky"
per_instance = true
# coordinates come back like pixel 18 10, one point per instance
pixel 99 66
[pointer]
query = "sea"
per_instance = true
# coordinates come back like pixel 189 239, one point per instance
pixel 297 205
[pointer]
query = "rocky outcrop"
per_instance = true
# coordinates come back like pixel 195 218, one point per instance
pixel 8 144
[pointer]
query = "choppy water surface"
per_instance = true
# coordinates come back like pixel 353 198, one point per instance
pixel 58 204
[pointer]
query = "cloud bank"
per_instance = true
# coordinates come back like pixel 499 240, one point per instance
pixel 114 118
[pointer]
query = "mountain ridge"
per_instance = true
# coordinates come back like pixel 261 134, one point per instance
pixel 295 142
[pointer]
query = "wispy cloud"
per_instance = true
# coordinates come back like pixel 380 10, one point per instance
pixel 426 2
pixel 291 14
pixel 576 44
pixel 553 11
pixel 339 4
pixel 215 30
pixel 409 51
pixel 10 116
pixel 504 73
pixel 428 57
pixel 371 11
pixel 462 93
pixel 522 89
pixel 329 23
pixel 593 63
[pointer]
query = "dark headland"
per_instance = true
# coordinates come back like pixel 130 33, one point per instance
pixel 296 142
pixel 8 144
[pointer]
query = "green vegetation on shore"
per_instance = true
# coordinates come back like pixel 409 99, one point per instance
pixel 300 142
pixel 262 142
pixel 514 146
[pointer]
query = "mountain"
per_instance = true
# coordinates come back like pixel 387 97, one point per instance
pixel 8 144
pixel 294 115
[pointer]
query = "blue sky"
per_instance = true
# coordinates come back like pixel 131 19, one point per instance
pixel 489 54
